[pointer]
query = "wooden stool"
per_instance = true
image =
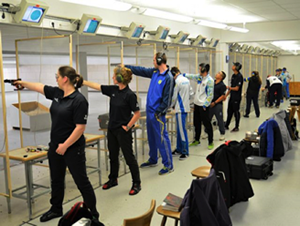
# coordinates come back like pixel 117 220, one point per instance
pixel 166 214
pixel 201 172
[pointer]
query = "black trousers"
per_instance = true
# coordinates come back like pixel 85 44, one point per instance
pixel 233 108
pixel 254 99
pixel 74 159
pixel 275 88
pixel 119 138
pixel 202 116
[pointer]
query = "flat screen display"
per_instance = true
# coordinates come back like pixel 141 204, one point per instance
pixel 33 14
pixel 183 38
pixel 137 32
pixel 216 43
pixel 164 34
pixel 91 26
pixel 201 41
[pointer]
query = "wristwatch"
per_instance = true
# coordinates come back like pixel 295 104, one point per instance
pixel 128 127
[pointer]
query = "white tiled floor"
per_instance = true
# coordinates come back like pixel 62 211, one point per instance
pixel 276 200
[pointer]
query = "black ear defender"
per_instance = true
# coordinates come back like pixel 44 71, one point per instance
pixel 204 67
pixel 159 58
pixel 238 66
pixel 119 77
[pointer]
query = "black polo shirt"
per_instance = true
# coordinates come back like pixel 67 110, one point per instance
pixel 122 104
pixel 219 90
pixel 236 80
pixel 66 112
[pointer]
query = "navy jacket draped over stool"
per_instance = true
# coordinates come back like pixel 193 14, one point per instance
pixel 204 205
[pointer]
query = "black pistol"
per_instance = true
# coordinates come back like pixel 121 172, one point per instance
pixel 11 81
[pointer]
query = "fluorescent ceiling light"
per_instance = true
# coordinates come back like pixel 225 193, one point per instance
pixel 212 24
pixel 238 29
pixel 105 4
pixel 287 45
pixel 167 15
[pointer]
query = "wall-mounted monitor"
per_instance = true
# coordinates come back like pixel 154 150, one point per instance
pixel 198 41
pixel 180 37
pixel 161 33
pixel 31 12
pixel 89 24
pixel 134 31
pixel 213 43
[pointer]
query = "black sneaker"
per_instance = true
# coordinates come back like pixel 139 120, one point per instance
pixel 49 215
pixel 226 127
pixel 183 157
pixel 235 130
pixel 136 187
pixel 246 116
pixel 109 184
pixel 175 152
pixel 96 222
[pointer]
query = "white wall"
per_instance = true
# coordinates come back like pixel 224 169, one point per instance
pixel 292 64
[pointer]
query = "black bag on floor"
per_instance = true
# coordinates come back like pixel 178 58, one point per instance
pixel 78 211
pixel 259 167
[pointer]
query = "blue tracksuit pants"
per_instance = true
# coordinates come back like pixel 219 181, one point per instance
pixel 158 138
pixel 182 138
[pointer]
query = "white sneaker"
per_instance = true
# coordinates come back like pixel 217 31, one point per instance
pixel 204 136
pixel 222 137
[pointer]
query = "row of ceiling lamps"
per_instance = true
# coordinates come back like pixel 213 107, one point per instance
pixel 122 6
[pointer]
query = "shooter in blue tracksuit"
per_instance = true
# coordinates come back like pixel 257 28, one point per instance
pixel 158 101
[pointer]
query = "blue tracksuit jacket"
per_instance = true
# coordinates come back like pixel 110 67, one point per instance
pixel 159 99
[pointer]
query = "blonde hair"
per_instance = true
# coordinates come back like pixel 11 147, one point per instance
pixel 125 72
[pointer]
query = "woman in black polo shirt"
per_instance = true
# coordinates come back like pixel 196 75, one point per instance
pixel 69 112
pixel 119 135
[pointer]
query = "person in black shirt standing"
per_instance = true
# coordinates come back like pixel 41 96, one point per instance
pixel 252 93
pixel 216 106
pixel 119 135
pixel 69 112
pixel 235 91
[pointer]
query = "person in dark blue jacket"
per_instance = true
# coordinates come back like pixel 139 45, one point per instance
pixel 158 101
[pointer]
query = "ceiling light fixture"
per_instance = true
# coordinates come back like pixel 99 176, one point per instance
pixel 238 29
pixel 167 15
pixel 212 24
pixel 105 4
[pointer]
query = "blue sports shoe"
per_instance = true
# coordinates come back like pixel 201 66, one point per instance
pixel 165 171
pixel 148 164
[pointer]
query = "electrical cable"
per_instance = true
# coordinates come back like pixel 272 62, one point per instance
pixel 77 28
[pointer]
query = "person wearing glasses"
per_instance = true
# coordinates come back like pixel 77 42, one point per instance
pixel 69 113
pixel 119 133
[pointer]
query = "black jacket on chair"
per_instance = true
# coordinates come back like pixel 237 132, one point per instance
pixel 229 163
pixel 203 204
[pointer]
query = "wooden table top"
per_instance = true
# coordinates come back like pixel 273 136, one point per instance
pixel 21 154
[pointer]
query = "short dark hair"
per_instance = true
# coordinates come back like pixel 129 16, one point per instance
pixel 175 70
pixel 162 56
